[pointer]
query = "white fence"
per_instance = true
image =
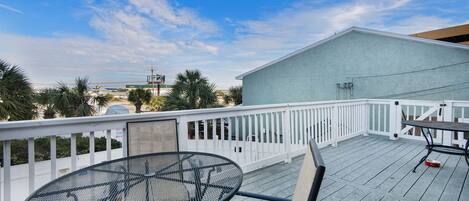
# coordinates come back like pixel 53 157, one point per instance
pixel 255 136
pixel 386 115
pixel 252 136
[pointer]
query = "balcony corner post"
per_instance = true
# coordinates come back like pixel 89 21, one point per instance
pixel 447 116
pixel 287 134
pixel 182 134
pixel 395 117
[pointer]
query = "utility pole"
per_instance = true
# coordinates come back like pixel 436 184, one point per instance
pixel 152 82
pixel 157 79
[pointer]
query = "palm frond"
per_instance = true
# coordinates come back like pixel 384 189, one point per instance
pixel 191 91
pixel 16 94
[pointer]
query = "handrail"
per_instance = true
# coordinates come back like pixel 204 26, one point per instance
pixel 120 117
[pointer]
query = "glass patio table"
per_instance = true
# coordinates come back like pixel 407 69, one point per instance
pixel 160 176
pixel 425 127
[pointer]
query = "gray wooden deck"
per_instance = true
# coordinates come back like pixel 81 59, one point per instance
pixel 371 168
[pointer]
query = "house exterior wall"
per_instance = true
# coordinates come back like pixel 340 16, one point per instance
pixel 312 75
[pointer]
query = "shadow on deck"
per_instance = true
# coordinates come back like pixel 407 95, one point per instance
pixel 371 168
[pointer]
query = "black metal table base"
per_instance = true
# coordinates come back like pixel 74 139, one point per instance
pixel 431 147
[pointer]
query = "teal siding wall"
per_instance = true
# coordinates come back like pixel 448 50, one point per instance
pixel 313 74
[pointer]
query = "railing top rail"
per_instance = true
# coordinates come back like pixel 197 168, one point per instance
pixel 405 101
pixel 150 115
pixel 459 103
pixel 111 118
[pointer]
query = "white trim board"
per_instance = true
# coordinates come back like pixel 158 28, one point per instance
pixel 358 29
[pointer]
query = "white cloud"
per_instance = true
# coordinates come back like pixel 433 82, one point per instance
pixel 138 33
pixel 131 40
pixel 9 8
pixel 153 27
pixel 417 24
pixel 176 18
pixel 300 25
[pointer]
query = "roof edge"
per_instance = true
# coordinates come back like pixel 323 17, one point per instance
pixel 317 43
pixel 358 29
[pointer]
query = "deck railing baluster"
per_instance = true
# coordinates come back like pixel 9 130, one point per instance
pixel 31 164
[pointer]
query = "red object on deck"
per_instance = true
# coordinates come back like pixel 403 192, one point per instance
pixel 432 163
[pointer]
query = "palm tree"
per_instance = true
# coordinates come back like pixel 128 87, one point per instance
pixel 139 97
pixel 235 95
pixel 16 94
pixel 191 91
pixel 45 98
pixel 77 101
pixel 156 103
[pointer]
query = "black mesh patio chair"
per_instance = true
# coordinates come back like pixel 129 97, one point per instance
pixel 309 180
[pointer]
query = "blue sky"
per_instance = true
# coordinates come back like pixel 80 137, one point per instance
pixel 117 41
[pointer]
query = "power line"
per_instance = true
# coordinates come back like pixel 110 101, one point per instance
pixel 438 92
pixel 423 90
pixel 408 72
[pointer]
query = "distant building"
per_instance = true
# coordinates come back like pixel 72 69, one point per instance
pixel 164 90
pixel 362 63
pixel 457 34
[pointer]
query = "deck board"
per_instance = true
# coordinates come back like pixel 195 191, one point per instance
pixel 411 183
pixel 465 191
pixel 374 180
pixel 456 182
pixel 436 188
pixel 370 168
pixel 361 166
pixel 365 174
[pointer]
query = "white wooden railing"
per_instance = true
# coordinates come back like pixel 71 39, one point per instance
pixel 259 136
pixel 386 117
pixel 252 136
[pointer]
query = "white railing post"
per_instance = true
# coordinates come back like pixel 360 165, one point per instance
pixel 124 142
pixel 31 165
pixel 91 138
pixel 439 117
pixel 447 116
pixel 287 134
pixel 6 170
pixel 53 157
pixel 182 134
pixel 73 151
pixel 395 117
pixel 335 125
pixel 367 118
pixel 108 145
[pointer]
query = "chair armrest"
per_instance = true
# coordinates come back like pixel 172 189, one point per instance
pixel 260 196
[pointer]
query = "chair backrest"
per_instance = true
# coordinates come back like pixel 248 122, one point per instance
pixel 311 175
pixel 152 137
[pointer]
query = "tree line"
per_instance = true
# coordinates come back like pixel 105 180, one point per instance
pixel 191 91
pixel 18 101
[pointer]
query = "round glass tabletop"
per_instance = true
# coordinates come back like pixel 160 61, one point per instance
pixel 150 177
